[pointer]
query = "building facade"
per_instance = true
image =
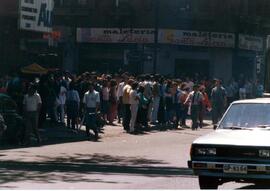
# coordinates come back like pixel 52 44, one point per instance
pixel 9 36
pixel 173 37
pixel 102 33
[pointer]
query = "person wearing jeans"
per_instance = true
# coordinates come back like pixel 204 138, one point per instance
pixel 156 101
pixel 72 103
pixel 62 102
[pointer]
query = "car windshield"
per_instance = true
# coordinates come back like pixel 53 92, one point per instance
pixel 247 115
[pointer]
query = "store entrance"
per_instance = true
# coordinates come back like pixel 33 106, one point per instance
pixel 244 67
pixel 191 68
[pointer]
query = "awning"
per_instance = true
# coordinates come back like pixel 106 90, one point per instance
pixel 34 69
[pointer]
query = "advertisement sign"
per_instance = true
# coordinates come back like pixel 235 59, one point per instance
pixel 115 35
pixel 36 15
pixel 180 37
pixel 248 42
pixel 224 40
pixel 197 38
pixel 146 36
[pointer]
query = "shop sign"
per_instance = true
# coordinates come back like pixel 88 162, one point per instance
pixel 115 35
pixel 224 40
pixel 36 15
pixel 197 38
pixel 248 42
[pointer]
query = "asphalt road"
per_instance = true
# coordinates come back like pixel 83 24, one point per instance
pixel 154 160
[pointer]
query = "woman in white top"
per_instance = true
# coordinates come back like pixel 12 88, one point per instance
pixel 134 102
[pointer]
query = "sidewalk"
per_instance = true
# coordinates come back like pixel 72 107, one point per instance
pixel 119 161
pixel 60 134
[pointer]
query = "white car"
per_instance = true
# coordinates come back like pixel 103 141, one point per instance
pixel 238 150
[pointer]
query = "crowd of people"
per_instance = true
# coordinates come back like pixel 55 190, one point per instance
pixel 136 102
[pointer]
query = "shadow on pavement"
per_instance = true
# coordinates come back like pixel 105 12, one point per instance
pixel 51 135
pixel 164 128
pixel 76 168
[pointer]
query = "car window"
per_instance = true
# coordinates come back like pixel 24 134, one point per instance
pixel 247 115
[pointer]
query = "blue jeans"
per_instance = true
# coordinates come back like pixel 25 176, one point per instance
pixel 178 112
pixel 169 112
pixel 155 108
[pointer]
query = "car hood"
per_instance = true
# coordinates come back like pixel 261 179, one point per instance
pixel 256 137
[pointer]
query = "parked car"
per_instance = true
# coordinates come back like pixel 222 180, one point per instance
pixel 238 150
pixel 11 123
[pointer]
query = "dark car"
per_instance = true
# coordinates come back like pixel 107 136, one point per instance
pixel 239 150
pixel 11 123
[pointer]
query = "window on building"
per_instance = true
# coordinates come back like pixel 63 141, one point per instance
pixel 203 6
pixel 82 2
pixel 147 4
pixel 184 5
pixel 65 3
pixel 92 4
pixel 59 3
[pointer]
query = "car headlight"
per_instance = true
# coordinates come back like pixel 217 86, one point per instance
pixel 205 151
pixel 264 153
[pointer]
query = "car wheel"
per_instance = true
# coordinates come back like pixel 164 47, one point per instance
pixel 206 182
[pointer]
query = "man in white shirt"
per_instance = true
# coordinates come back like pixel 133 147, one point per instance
pixel 195 99
pixel 32 104
pixel 91 101
pixel 148 94
pixel 119 94
pixel 156 92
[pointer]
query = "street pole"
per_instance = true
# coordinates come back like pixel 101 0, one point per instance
pixel 156 35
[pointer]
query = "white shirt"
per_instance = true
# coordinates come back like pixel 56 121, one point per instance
pixel 91 99
pixel 120 89
pixel 31 102
pixel 62 95
pixel 133 97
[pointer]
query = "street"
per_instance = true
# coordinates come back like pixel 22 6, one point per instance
pixel 154 160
